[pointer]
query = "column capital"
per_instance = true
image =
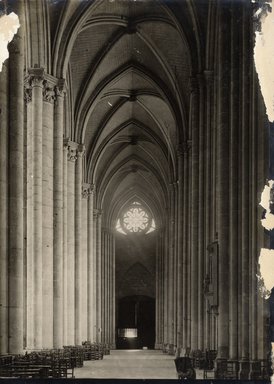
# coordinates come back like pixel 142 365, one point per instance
pixel 36 76
pixel 49 93
pixel 97 213
pixel 71 148
pixel 87 190
pixel 27 94
pixel 60 88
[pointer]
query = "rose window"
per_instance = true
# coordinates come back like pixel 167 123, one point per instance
pixel 135 220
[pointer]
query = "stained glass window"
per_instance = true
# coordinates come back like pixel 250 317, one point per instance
pixel 135 220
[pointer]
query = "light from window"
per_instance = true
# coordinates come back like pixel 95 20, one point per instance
pixel 135 220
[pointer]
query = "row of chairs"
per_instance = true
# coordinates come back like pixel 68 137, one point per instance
pixel 252 370
pixel 199 359
pixel 51 363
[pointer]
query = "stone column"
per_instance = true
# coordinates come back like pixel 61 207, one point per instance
pixel 157 301
pixel 175 262
pixel 186 237
pixel 255 219
pixel 95 308
pixel 85 264
pixel 72 156
pixel 47 210
pixel 58 216
pixel 16 146
pixel 37 78
pixel 65 244
pixel 245 187
pixel 4 182
pixel 222 161
pixel 28 224
pixel 201 214
pixel 166 287
pixel 189 245
pixel 171 261
pixel 91 309
pixel 98 276
pixel 234 192
pixel 208 187
pixel 103 277
pixel 180 292
pixel 194 212
pixel 113 293
pixel 78 243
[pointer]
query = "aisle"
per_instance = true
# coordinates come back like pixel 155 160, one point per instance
pixel 130 364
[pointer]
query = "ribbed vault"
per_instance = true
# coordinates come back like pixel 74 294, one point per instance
pixel 127 66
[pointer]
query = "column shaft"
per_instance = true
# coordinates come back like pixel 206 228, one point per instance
pixel 208 191
pixel 15 220
pixel 37 105
pixel 234 193
pixel 78 245
pixel 222 179
pixel 65 245
pixel 84 271
pixel 245 203
pixel 99 277
pixel 58 283
pixel 180 244
pixel 194 214
pixel 171 259
pixel 91 322
pixel 201 216
pixel 71 247
pixel 47 226
pixel 4 182
pixel 29 263
pixel 95 281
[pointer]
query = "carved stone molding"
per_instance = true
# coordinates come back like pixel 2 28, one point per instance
pixel 72 148
pixel 27 94
pixel 86 190
pixel 97 213
pixel 60 88
pixel 48 92
pixel 36 76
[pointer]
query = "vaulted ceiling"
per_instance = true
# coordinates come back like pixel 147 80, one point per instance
pixel 127 64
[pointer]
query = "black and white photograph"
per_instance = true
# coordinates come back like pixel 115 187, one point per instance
pixel 136 192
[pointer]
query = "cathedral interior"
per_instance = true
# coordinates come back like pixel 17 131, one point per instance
pixel 133 154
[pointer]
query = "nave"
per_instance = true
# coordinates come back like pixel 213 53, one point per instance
pixel 133 153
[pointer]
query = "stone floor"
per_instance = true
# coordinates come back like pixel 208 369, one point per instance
pixel 130 364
